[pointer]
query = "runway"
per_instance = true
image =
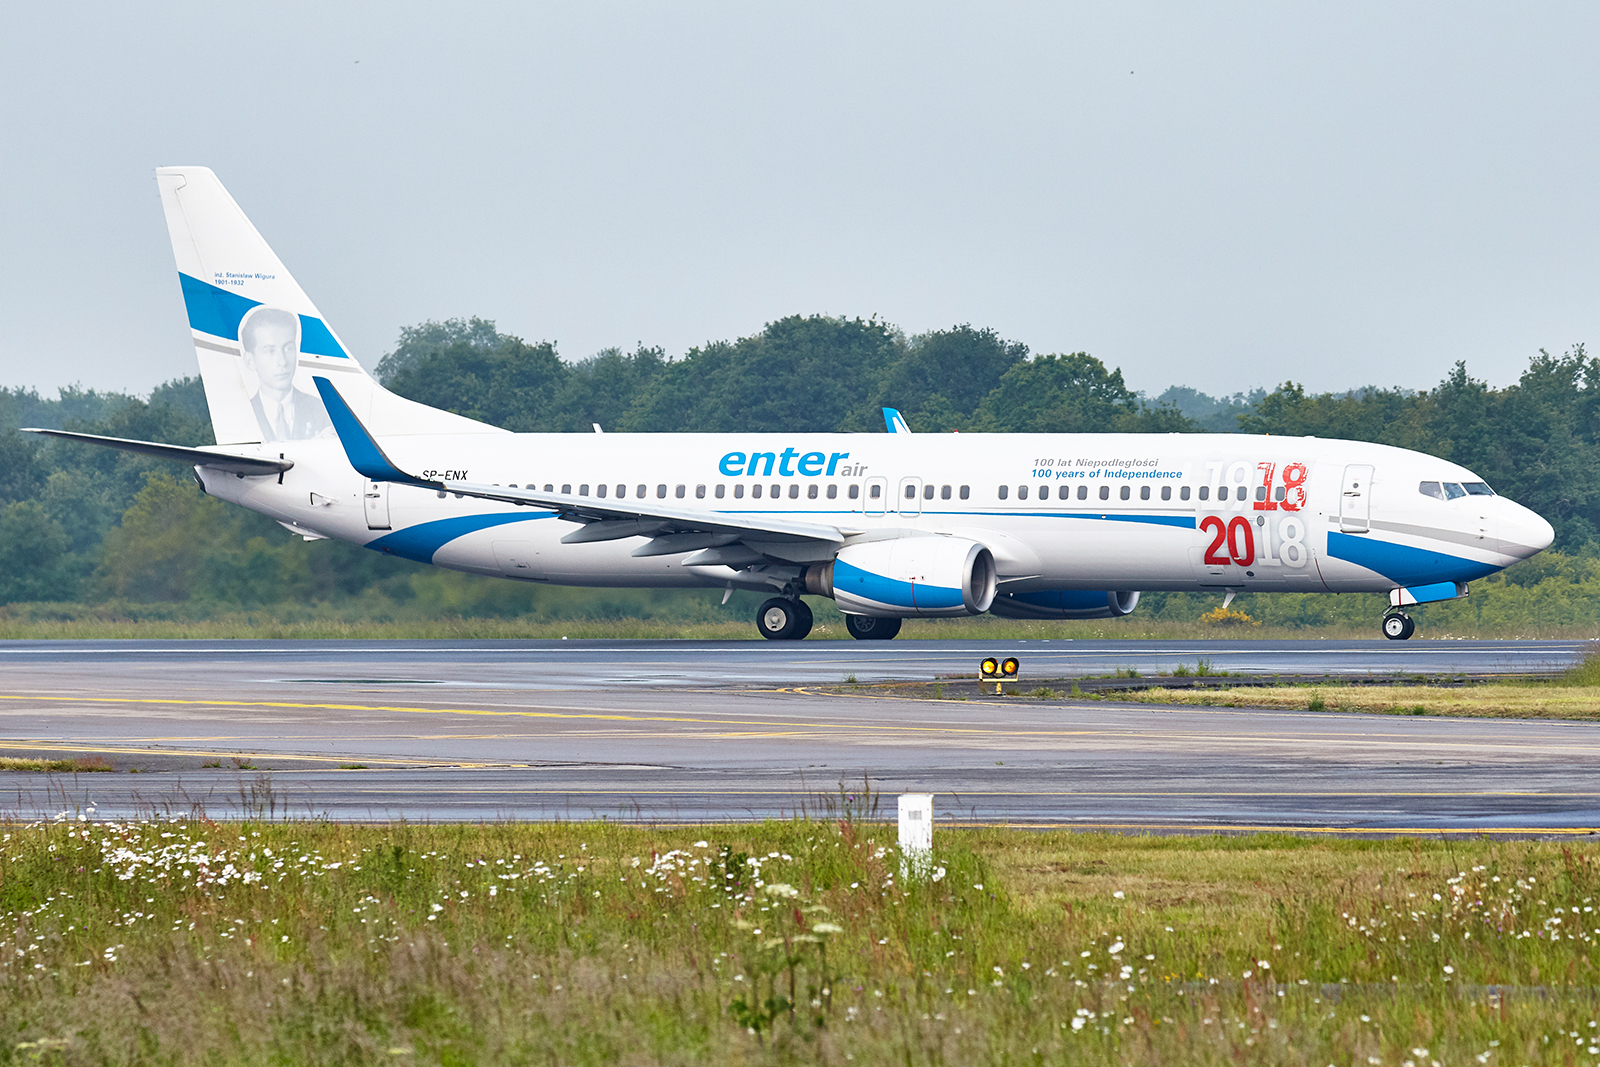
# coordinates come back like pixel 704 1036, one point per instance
pixel 694 731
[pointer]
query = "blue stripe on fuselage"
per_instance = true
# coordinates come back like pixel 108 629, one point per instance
pixel 421 541
pixel 1403 564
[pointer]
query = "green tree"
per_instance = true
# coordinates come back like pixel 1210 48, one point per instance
pixel 941 377
pixel 1070 394
pixel 468 367
pixel 35 555
pixel 801 374
pixel 602 388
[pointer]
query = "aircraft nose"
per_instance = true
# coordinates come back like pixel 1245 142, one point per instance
pixel 1524 533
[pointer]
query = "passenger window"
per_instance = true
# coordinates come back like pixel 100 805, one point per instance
pixel 1279 493
pixel 1477 489
pixel 680 491
pixel 777 490
pixel 944 494
pixel 1003 491
pixel 1044 492
pixel 833 492
pixel 1222 493
pixel 1126 492
pixel 1105 492
pixel 549 488
pixel 855 492
pixel 966 491
pixel 639 492
pixel 699 492
pixel 661 492
pixel 1183 492
pixel 566 490
pixel 927 492
pixel 738 490
pixel 1144 492
pixel 1205 492
pixel 1022 492
pixel 811 491
pixel 877 491
pixel 1166 492
pixel 622 491
pixel 720 489
pixel 1261 492
pixel 755 491
pixel 1083 492
pixel 1453 491
pixel 583 490
pixel 600 491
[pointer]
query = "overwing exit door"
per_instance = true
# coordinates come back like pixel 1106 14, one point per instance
pixel 377 501
pixel 1355 499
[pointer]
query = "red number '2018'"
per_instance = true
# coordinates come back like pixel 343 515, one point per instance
pixel 1237 535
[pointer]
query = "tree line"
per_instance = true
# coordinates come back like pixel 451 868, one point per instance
pixel 79 523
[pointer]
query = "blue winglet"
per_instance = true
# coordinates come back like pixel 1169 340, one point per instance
pixel 365 455
pixel 895 421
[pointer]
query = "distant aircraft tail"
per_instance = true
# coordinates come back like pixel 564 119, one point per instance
pixel 258 337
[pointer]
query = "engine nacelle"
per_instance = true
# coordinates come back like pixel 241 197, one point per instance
pixel 1064 604
pixel 905 576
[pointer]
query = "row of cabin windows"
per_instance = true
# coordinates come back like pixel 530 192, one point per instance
pixel 945 492
pixel 1064 492
pixel 813 491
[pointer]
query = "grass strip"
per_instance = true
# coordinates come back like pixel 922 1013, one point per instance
pixel 190 941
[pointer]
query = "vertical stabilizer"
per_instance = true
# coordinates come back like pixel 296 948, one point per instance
pixel 258 337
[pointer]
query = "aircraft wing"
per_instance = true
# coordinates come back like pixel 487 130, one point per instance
pixel 204 457
pixel 672 529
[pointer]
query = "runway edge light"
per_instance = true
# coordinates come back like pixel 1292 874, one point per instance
pixel 997 670
pixel 916 834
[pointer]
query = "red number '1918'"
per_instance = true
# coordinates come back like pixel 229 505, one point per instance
pixel 1236 535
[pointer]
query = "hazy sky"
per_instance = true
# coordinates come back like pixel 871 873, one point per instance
pixel 1221 195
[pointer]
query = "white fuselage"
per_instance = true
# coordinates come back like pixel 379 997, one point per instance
pixel 1058 511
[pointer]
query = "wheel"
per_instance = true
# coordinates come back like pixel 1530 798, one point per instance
pixel 803 622
pixel 867 628
pixel 783 620
pixel 1397 626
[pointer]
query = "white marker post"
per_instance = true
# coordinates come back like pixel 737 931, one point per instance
pixel 916 834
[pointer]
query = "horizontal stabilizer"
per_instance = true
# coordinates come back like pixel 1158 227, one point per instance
pixel 220 461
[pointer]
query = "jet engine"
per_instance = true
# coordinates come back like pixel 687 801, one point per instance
pixel 908 576
pixel 1064 604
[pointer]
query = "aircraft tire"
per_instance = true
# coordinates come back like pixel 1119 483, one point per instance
pixel 1398 626
pixel 868 628
pixel 780 619
pixel 803 624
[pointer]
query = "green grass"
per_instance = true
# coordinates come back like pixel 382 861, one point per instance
pixel 198 942
pixel 86 765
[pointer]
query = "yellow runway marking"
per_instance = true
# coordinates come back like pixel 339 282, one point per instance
pixel 792 728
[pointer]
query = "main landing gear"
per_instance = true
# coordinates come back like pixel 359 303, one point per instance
pixel 1398 626
pixel 783 619
pixel 867 628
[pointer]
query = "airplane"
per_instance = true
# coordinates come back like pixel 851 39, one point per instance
pixel 889 526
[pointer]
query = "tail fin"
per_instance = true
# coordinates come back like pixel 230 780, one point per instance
pixel 257 335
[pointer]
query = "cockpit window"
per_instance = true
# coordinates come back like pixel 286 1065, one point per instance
pixel 1477 489
pixel 1453 491
pixel 1431 489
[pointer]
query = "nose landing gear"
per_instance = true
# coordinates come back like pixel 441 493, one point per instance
pixel 783 619
pixel 1398 626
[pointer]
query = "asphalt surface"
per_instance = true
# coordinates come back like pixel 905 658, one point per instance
pixel 700 731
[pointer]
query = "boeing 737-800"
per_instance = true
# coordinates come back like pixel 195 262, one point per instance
pixel 890 526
